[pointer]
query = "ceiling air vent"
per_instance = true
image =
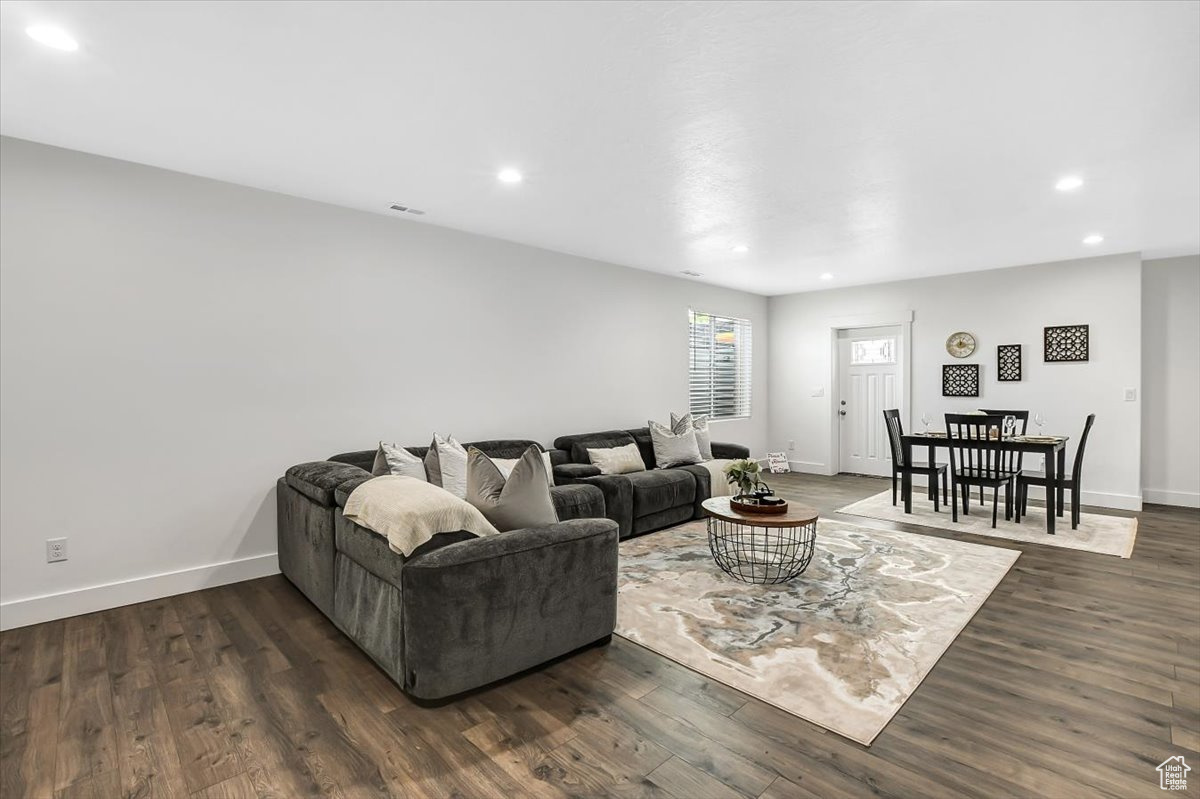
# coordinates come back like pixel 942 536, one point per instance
pixel 689 273
pixel 406 209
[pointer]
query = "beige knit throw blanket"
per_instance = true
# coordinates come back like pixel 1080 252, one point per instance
pixel 409 512
pixel 719 482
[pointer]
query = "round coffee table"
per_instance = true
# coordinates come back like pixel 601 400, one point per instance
pixel 760 547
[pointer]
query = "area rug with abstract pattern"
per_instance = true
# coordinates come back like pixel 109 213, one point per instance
pixel 843 645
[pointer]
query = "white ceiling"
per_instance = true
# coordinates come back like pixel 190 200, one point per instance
pixel 874 141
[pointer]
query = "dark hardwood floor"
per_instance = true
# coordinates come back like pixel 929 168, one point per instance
pixel 1078 676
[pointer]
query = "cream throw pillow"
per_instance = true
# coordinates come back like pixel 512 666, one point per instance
pixel 395 459
pixel 617 460
pixel 523 500
pixel 446 465
pixel 700 425
pixel 505 465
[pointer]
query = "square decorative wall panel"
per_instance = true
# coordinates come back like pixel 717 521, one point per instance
pixel 1066 343
pixel 1008 363
pixel 960 380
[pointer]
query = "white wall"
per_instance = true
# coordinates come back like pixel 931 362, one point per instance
pixel 1171 380
pixel 169 345
pixel 1003 306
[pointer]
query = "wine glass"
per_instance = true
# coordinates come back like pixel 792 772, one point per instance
pixel 925 420
pixel 1039 420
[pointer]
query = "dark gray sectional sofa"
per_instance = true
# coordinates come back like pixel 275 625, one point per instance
pixel 642 501
pixel 462 611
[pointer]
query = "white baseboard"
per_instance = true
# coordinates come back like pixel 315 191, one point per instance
pixel 1098 499
pixel 37 609
pixel 808 467
pixel 1162 496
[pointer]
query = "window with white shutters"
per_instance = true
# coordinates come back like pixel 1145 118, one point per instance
pixel 719 365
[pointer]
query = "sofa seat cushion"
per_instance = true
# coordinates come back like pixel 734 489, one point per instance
pixel 661 489
pixel 319 479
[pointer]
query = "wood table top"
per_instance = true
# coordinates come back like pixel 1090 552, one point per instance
pixel 795 516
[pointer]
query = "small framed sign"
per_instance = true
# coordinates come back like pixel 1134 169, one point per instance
pixel 777 463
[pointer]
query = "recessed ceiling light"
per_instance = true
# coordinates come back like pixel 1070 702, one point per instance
pixel 509 175
pixel 1095 238
pixel 51 36
pixel 1069 183
pixel 741 248
pixel 826 276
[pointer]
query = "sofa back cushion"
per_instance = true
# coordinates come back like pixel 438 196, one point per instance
pixel 641 436
pixel 364 459
pixel 498 448
pixel 504 447
pixel 578 445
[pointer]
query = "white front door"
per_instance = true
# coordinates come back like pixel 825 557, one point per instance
pixel 868 383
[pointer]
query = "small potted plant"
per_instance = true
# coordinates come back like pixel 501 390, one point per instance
pixel 744 474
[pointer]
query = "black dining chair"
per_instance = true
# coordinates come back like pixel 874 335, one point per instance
pixel 1070 482
pixel 895 429
pixel 974 463
pixel 1022 418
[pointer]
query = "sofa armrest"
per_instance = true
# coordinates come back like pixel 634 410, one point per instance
pixel 731 451
pixel 484 609
pixel 565 473
pixel 577 501
pixel 618 499
pixel 318 480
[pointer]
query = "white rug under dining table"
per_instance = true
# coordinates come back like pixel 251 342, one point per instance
pixel 1107 535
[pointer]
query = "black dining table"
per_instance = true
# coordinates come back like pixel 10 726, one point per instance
pixel 1053 447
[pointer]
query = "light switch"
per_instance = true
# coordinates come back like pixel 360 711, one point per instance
pixel 818 391
pixel 1131 395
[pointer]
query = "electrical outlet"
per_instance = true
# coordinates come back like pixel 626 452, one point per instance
pixel 56 549
pixel 1131 395
pixel 791 445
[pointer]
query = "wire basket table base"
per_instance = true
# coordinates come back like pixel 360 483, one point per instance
pixel 756 554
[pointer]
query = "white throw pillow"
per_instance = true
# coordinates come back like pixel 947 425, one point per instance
pixel 618 460
pixel 395 459
pixel 446 465
pixel 700 425
pixel 673 449
pixel 505 465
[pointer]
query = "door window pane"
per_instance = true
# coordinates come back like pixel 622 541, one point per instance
pixel 866 352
